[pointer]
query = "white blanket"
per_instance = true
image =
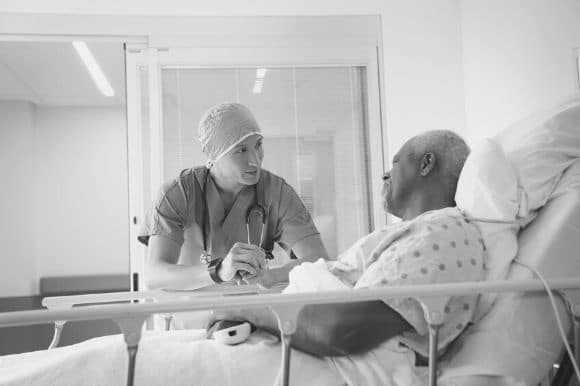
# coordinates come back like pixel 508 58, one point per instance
pixel 182 357
pixel 186 357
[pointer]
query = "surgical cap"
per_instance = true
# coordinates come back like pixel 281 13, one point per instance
pixel 223 127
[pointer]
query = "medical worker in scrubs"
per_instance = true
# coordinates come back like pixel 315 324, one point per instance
pixel 219 222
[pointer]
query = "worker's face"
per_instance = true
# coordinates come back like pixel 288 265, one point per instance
pixel 244 162
pixel 400 180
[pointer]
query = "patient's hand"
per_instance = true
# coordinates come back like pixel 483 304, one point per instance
pixel 266 278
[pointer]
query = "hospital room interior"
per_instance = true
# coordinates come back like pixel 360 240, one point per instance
pixel 107 107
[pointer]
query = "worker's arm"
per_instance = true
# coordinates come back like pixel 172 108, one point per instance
pixel 331 329
pixel 163 270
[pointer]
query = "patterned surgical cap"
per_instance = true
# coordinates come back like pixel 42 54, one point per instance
pixel 223 127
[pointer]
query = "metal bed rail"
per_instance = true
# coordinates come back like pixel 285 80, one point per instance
pixel 69 301
pixel 131 316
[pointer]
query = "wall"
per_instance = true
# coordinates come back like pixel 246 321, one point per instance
pixel 82 209
pixel 64 196
pixel 17 191
pixel 519 56
pixel 422 59
pixel 421 44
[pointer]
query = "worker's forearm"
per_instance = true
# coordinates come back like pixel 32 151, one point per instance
pixel 176 276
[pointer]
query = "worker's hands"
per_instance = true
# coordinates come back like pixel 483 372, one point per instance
pixel 244 258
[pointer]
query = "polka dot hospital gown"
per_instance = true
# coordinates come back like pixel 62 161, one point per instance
pixel 437 247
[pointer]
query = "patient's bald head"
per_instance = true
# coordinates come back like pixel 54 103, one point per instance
pixel 424 174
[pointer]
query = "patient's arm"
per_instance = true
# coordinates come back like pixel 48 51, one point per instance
pixel 333 329
pixel 308 249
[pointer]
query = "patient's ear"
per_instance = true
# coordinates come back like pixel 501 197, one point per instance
pixel 427 163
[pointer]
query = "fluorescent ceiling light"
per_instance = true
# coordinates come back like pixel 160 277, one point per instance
pixel 94 69
pixel 259 82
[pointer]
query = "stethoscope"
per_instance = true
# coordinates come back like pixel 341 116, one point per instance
pixel 256 207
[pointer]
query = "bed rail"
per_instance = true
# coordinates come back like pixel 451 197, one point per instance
pixel 131 316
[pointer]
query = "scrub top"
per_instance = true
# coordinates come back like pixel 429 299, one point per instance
pixel 178 215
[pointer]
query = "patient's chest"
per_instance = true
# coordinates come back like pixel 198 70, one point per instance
pixel 432 250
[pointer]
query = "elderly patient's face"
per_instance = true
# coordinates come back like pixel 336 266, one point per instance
pixel 400 180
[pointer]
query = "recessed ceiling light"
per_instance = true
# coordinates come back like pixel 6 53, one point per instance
pixel 94 69
pixel 259 82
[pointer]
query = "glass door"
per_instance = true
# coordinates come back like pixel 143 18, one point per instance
pixel 319 113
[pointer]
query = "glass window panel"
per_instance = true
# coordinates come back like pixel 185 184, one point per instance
pixel 315 134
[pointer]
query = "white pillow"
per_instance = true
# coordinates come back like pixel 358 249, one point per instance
pixel 541 147
pixel 488 189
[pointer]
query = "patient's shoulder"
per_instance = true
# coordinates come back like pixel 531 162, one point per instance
pixel 441 246
pixel 445 223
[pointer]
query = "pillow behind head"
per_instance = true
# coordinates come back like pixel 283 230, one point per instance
pixel 488 189
pixel 541 147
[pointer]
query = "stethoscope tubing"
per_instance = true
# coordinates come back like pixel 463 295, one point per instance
pixel 205 214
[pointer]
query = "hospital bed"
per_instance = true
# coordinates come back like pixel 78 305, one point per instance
pixel 550 243
pixel 483 355
pixel 520 339
pixel 131 317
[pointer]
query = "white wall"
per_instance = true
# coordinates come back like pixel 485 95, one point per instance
pixel 519 56
pixel 82 225
pixel 64 194
pixel 17 191
pixel 423 69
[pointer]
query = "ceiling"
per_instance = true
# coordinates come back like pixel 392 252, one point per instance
pixel 52 74
pixel 311 101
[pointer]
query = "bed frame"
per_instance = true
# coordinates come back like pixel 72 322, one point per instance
pixel 130 317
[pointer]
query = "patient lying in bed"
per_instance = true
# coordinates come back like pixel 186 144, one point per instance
pixel 363 343
pixel 433 244
pixel 439 246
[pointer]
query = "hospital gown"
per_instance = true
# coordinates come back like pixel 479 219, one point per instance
pixel 437 247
